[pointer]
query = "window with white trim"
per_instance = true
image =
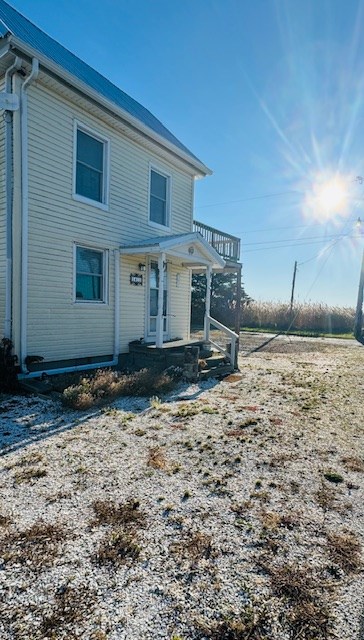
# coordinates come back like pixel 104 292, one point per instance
pixel 90 277
pixel 159 198
pixel 91 166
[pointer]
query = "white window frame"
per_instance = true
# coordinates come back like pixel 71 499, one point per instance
pixel 104 204
pixel 105 274
pixel 168 176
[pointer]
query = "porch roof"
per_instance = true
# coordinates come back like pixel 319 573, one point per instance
pixel 191 248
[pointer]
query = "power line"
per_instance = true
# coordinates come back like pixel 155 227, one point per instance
pixel 297 244
pixel 323 239
pixel 266 195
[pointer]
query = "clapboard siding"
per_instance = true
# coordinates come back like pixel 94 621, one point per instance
pixel 58 328
pixel 179 294
pixel 132 303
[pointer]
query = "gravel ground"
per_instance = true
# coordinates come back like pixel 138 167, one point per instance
pixel 229 510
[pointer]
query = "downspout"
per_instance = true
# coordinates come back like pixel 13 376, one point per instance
pixel 9 200
pixel 96 365
pixel 25 211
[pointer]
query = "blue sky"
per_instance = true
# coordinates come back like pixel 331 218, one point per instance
pixel 270 95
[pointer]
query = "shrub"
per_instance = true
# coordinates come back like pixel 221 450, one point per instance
pixel 105 384
pixel 8 368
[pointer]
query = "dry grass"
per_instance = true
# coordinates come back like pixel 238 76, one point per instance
pixel 5 521
pixel 70 607
pixel 326 498
pixel 310 621
pixel 117 547
pixel 122 543
pixel 28 474
pixel 157 459
pixel 272 520
pixel 307 613
pixel 36 547
pixel 313 317
pixel 126 514
pixel 194 547
pixel 106 384
pixel 253 623
pixel 353 463
pixel 345 550
pixel 298 583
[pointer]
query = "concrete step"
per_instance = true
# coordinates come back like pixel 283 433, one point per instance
pixel 215 360
pixel 215 372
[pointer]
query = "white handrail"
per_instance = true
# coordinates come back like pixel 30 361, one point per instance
pixel 222 327
pixel 231 334
pixel 220 348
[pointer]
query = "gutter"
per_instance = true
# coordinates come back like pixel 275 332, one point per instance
pixel 25 211
pixel 54 69
pixel 9 201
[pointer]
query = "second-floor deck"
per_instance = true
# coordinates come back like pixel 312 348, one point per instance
pixel 226 245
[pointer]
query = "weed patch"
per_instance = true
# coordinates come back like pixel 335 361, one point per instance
pixel 125 514
pixel 71 606
pixel 345 550
pixel 353 463
pixel 252 623
pixel 36 547
pixel 116 548
pixel 157 459
pixel 28 474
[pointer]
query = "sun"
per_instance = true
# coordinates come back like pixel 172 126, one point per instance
pixel 332 196
pixel 328 198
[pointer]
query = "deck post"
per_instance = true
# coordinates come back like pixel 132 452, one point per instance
pixel 207 303
pixel 159 336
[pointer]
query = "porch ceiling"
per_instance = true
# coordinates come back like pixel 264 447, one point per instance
pixel 191 248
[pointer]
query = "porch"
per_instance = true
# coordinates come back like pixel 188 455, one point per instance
pixel 205 250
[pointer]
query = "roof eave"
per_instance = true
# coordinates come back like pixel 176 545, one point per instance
pixel 201 170
pixel 172 243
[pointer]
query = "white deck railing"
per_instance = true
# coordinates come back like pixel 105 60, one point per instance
pixel 233 337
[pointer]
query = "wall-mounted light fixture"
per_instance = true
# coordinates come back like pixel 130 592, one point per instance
pixel 142 267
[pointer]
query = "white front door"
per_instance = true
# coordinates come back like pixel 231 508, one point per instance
pixel 153 290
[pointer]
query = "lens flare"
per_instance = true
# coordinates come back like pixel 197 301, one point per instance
pixel 328 199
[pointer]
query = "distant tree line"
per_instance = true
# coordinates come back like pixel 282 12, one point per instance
pixel 223 298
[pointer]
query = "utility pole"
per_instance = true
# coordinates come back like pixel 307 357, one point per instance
pixel 293 285
pixel 358 325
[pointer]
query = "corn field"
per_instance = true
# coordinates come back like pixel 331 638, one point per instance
pixel 308 317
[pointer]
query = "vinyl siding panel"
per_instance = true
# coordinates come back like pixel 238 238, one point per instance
pixel 180 306
pixel 58 328
pixel 2 221
pixel 132 303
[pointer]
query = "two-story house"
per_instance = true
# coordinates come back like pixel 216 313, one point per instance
pixel 97 241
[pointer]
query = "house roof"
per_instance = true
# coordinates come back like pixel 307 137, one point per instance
pixel 15 25
pixel 179 244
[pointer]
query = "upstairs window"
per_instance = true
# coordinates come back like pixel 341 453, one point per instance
pixel 91 167
pixel 90 275
pixel 159 198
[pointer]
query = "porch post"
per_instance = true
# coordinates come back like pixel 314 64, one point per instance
pixel 208 302
pixel 159 336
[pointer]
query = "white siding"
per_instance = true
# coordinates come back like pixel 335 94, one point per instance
pixel 2 221
pixel 179 305
pixel 58 328
pixel 132 302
